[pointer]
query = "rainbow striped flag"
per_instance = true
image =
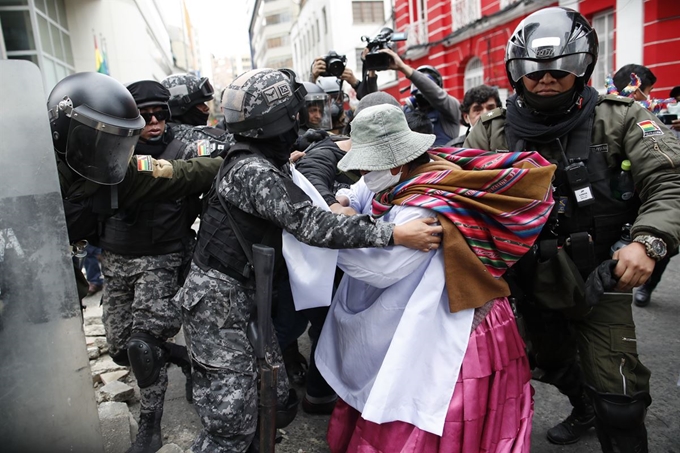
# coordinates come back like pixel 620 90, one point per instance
pixel 144 163
pixel 100 59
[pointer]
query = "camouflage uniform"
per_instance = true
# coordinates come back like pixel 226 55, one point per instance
pixel 189 134
pixel 216 307
pixel 138 297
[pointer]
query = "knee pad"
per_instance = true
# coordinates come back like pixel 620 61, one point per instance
pixel 147 358
pixel 619 411
pixel 286 414
pixel 121 358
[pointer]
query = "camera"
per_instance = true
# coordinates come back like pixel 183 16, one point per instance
pixel 335 64
pixel 377 61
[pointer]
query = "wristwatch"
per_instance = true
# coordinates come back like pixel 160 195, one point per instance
pixel 656 247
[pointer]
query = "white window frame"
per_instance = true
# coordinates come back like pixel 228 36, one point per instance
pixel 464 12
pixel 603 23
pixel 474 74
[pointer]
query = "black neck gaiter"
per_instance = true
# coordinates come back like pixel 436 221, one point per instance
pixel 193 117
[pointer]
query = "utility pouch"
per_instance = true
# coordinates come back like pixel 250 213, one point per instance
pixel 582 252
pixel 558 284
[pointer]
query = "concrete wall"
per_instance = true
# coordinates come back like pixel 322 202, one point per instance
pixel 138 45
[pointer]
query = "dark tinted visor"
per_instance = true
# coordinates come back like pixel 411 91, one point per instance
pixel 576 64
pixel 101 151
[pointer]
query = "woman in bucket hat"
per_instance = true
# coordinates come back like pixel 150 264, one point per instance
pixel 421 346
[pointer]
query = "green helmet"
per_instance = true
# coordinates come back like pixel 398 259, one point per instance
pixel 263 103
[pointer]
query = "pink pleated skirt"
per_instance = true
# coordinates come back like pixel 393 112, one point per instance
pixel 490 411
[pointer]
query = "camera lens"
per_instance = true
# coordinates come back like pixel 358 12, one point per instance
pixel 336 67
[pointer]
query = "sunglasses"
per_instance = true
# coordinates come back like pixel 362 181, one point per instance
pixel 160 115
pixel 538 75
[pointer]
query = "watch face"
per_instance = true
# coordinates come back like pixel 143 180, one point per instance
pixel 658 247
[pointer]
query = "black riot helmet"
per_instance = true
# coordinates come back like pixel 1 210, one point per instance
pixel 316 112
pixel 552 39
pixel 96 124
pixel 263 103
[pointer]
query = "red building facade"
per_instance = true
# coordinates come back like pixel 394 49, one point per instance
pixel 465 39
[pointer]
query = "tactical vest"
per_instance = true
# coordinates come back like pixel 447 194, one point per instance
pixel 217 245
pixel 149 228
pixel 587 231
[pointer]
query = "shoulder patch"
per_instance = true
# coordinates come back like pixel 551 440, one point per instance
pixel 495 113
pixel 616 98
pixel 649 128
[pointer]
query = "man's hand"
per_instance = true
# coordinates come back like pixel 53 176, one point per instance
pixel 318 68
pixel 349 77
pixel 295 156
pixel 337 208
pixel 675 125
pixel 342 200
pixel 162 169
pixel 634 266
pixel 418 234
pixel 397 63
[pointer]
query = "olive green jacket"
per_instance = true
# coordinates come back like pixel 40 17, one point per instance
pixel 623 126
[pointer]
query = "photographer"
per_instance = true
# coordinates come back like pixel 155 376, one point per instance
pixel 319 69
pixel 428 96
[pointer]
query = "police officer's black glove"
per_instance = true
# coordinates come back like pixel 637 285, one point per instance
pixel 600 280
pixel 309 137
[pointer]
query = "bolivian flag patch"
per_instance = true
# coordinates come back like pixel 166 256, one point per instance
pixel 144 163
pixel 649 128
pixel 203 148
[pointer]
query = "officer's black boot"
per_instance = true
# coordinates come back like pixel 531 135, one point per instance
pixel 643 295
pixel 149 439
pixel 581 419
pixel 620 422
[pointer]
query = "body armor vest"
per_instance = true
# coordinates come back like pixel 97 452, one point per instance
pixel 218 246
pixel 152 228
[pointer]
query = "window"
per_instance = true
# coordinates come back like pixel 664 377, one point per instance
pixel 278 41
pixel 465 12
pixel 325 21
pixel 604 26
pixel 318 33
pixel 277 18
pixel 367 12
pixel 474 74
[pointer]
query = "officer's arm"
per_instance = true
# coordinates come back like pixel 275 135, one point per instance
pixel 439 99
pixel 320 168
pixel 655 165
pixel 193 176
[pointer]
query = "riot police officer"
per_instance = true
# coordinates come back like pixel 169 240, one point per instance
pixel 549 60
pixel 252 200
pixel 315 112
pixel 188 97
pixel 95 127
pixel 144 246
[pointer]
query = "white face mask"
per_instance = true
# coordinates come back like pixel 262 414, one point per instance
pixel 379 180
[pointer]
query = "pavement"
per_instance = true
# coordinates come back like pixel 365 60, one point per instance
pixel 658 346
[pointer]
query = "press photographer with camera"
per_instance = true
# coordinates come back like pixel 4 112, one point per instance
pixel 428 96
pixel 334 65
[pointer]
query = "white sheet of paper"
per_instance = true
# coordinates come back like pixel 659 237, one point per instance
pixel 311 269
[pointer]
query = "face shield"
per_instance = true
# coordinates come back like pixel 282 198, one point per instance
pixel 99 147
pixel 318 111
pixel 576 64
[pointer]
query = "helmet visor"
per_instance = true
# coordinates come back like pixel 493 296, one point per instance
pixel 576 64
pixel 101 151
pixel 318 107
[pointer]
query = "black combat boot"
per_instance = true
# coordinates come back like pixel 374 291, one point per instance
pixel 149 439
pixel 581 419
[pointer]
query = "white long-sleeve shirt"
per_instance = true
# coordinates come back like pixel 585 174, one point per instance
pixel 390 347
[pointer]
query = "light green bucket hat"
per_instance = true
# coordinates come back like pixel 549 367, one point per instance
pixel 381 140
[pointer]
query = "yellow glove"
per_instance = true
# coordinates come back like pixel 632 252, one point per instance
pixel 162 169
